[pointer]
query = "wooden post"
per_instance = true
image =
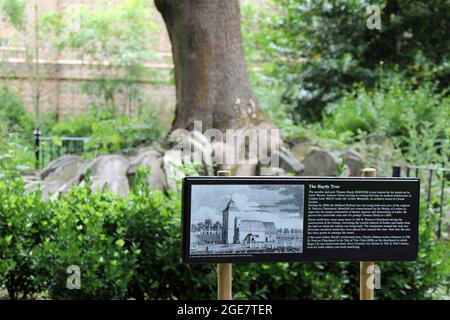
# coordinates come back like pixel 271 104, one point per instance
pixel 224 270
pixel 366 268
pixel 224 280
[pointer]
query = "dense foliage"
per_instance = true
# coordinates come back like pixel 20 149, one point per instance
pixel 414 117
pixel 130 248
pixel 320 49
pixel 12 110
pixel 109 133
pixel 105 132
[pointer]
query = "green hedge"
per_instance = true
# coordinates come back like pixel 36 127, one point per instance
pixel 391 108
pixel 130 249
pixel 320 49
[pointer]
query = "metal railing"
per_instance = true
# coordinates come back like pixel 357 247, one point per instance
pixel 48 149
pixel 430 174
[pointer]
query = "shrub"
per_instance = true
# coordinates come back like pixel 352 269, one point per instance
pixel 12 110
pixel 24 226
pixel 416 117
pixel 15 119
pixel 423 278
pixel 82 235
pixel 14 156
pixel 354 112
pixel 322 48
pixel 122 134
pixel 153 226
pixel 130 248
pixel 389 108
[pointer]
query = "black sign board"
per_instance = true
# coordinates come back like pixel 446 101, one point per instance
pixel 249 219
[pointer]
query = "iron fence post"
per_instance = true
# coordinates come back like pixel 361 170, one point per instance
pixel 396 171
pixel 37 144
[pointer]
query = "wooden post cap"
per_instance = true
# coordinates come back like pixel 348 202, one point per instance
pixel 369 172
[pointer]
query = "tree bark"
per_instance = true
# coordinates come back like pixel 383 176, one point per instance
pixel 211 78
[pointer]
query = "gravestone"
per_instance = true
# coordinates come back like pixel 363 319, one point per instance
pixel 320 163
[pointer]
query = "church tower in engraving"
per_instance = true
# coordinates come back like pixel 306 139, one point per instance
pixel 229 215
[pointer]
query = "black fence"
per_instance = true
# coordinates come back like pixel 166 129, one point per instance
pixel 428 176
pixel 48 149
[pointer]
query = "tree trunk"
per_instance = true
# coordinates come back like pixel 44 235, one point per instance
pixel 212 83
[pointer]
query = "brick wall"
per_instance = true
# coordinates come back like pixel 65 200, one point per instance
pixel 62 73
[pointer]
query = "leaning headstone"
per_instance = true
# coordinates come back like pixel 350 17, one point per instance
pixel 109 172
pixel 33 186
pixel 60 175
pixel 376 138
pixel 199 137
pixel 63 168
pixel 354 162
pixel 300 147
pixel 172 162
pixel 224 157
pixel 68 185
pixel 51 189
pixel 32 182
pixel 149 159
pixel 151 149
pixel 289 162
pixel 198 150
pixel 321 163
